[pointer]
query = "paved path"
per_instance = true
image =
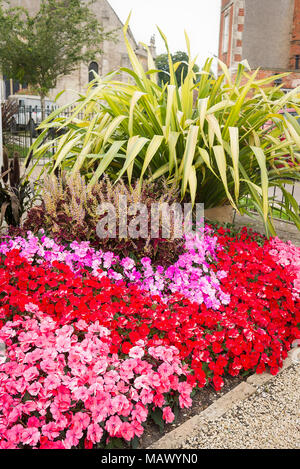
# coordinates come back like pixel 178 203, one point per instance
pixel 268 419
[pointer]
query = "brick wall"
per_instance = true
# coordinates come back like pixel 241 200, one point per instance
pixel 295 36
pixel 289 82
pixel 236 10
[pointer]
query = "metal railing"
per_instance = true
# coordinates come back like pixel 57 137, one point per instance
pixel 22 130
pixel 277 201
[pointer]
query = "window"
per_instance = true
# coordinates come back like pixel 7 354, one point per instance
pixel 93 67
pixel 225 41
pixel 10 86
pixel 297 62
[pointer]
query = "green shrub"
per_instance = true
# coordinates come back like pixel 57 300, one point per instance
pixel 216 139
pixel 16 193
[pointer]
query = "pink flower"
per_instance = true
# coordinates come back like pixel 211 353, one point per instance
pixel 71 439
pixel 48 365
pixel 168 415
pixel 81 393
pixel 7 445
pixel 185 401
pixel 31 373
pixel 137 428
pixel 94 433
pixel 52 382
pixel 33 422
pixel 121 405
pixel 158 400
pixel 63 344
pixel 14 434
pixel 113 425
pixel 127 431
pixel 50 430
pixel 34 388
pixel 81 419
pixel 127 263
pixel 136 352
pixel 146 396
pixel 30 436
pixel 140 413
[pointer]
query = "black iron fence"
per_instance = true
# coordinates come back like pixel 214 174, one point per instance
pixel 22 128
pixel 277 201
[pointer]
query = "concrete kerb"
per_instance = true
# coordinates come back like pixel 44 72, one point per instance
pixel 176 438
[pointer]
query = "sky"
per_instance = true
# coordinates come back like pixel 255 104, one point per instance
pixel 200 18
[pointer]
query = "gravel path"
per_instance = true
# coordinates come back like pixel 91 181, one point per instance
pixel 268 419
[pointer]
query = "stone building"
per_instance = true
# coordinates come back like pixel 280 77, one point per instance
pixel 266 33
pixel 114 54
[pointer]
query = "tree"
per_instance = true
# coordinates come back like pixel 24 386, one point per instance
pixel 41 48
pixel 162 64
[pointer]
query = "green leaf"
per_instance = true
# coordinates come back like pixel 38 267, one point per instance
pixel 261 158
pixel 156 416
pixel 189 155
pixel 105 162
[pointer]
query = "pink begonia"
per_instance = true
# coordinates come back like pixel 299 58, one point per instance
pixel 168 415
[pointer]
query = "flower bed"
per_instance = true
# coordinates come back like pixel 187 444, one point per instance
pixel 191 275
pixel 91 355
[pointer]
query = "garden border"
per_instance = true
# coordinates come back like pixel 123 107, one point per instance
pixel 177 437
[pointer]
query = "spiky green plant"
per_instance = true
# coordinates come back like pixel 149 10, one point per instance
pixel 218 139
pixel 16 194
